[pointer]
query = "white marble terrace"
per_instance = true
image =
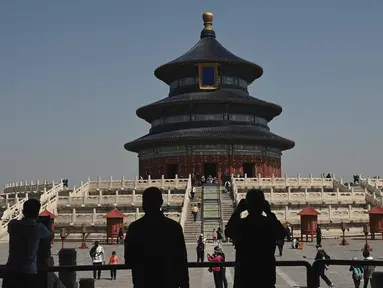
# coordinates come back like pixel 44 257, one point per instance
pixel 111 191
pixel 289 196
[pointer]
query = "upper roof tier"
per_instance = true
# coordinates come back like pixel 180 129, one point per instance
pixel 209 50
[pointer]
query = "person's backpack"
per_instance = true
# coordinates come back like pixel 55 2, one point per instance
pixel 92 252
pixel 357 273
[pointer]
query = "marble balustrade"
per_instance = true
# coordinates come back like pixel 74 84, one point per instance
pixel 283 182
pixel 119 198
pixel 308 197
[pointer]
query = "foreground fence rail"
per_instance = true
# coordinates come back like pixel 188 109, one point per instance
pixel 312 271
pixel 72 269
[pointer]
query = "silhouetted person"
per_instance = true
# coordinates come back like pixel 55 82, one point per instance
pixel 24 239
pixel 319 236
pixel 255 237
pixel 280 243
pixel 160 263
pixel 200 249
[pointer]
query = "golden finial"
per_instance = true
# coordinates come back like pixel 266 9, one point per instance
pixel 207 18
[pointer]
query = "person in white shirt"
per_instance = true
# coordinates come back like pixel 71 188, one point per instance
pixel 97 253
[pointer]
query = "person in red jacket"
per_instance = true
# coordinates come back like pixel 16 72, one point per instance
pixel 216 257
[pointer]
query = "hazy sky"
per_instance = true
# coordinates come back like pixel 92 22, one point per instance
pixel 72 74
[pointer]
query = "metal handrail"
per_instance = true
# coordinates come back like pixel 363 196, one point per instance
pixel 300 263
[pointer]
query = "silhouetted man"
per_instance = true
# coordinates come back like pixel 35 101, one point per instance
pixel 155 247
pixel 255 238
pixel 24 240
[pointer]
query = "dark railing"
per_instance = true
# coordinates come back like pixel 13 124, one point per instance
pixel 312 271
pixel 298 263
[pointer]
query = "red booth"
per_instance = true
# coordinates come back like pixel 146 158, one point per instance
pixel 309 222
pixel 376 221
pixel 52 217
pixel 114 221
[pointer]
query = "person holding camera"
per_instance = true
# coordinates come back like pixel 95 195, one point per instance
pixel 255 237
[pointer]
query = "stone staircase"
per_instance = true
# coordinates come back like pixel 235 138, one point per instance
pixel 193 229
pixel 227 208
pixel 211 209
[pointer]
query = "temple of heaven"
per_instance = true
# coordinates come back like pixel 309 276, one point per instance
pixel 209 124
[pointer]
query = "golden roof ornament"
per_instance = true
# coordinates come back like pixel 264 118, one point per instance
pixel 207 18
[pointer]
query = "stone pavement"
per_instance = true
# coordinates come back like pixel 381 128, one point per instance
pixel 287 277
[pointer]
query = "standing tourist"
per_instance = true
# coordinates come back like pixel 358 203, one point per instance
pixel 24 240
pixel 217 271
pixel 113 260
pixel 368 269
pixel 200 248
pixel 161 263
pixel 255 230
pixel 319 236
pixel 97 253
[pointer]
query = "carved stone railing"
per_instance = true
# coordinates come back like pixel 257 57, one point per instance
pixel 318 198
pixel 117 198
pixel 283 182
pixel 137 184
pixel 186 201
pixel 25 186
pixel 376 197
pixel 14 211
pixel 373 181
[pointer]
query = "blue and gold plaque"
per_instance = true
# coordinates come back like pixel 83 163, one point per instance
pixel 208 76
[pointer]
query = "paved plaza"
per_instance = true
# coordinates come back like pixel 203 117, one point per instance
pixel 200 277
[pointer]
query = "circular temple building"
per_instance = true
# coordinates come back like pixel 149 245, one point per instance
pixel 209 124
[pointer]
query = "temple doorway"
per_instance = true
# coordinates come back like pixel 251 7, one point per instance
pixel 210 169
pixel 248 168
pixel 171 171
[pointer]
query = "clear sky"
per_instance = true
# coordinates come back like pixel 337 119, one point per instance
pixel 72 74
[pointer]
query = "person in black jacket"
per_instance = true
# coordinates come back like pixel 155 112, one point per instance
pixel 220 252
pixel 321 254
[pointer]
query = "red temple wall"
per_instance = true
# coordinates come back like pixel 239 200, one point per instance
pixel 231 164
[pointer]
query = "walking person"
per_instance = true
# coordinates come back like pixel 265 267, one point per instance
pixel 321 254
pixel 280 243
pixel 195 211
pixel 368 270
pixel 357 273
pixel 113 260
pixel 97 254
pixel 24 239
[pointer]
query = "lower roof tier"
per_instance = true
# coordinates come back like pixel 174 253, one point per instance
pixel 240 134
pixel 228 97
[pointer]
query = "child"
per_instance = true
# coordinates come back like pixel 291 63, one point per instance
pixel 357 273
pixel 113 261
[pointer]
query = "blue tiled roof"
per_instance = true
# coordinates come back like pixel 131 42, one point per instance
pixel 209 50
pixel 235 133
pixel 230 96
